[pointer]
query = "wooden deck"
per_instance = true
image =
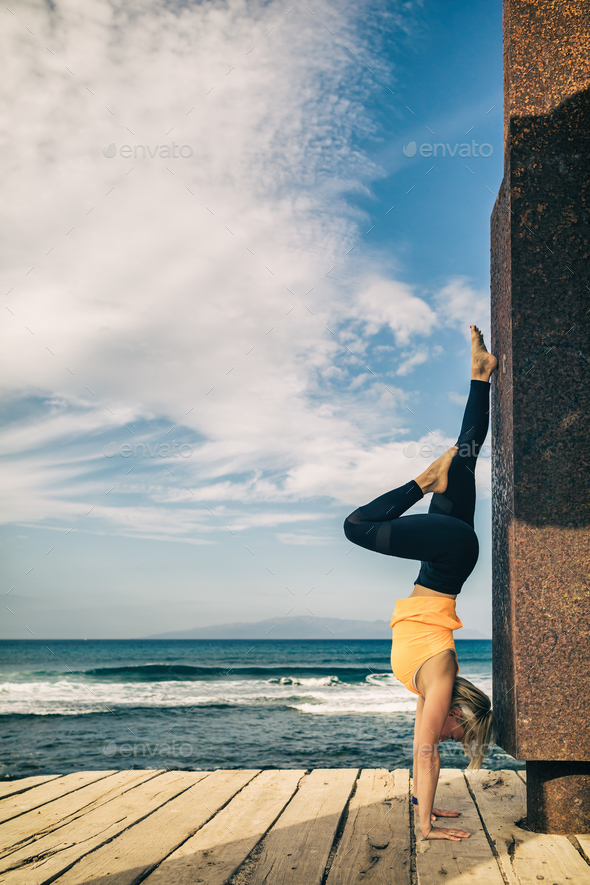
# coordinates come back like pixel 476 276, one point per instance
pixel 321 827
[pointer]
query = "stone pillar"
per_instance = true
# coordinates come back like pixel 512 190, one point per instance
pixel 541 410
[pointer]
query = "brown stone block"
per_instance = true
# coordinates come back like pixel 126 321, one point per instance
pixel 558 797
pixel 541 392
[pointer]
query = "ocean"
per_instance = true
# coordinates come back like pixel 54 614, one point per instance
pixel 68 705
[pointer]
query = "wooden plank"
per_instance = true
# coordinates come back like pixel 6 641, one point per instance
pixel 214 854
pixel 11 788
pixel 375 845
pixel 526 858
pixel 298 845
pixel 215 849
pixel 584 840
pixel 34 824
pixel 470 860
pixel 44 793
pixel 55 853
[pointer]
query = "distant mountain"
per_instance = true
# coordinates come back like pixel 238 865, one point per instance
pixel 304 627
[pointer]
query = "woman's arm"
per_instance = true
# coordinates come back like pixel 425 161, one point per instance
pixel 419 709
pixel 436 812
pixel 433 716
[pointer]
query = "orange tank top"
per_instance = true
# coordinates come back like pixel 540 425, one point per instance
pixel 422 626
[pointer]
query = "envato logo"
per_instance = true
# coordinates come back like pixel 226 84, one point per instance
pixel 466 450
pixel 161 150
pixel 173 750
pixel 448 747
pixel 456 748
pixel 167 450
pixel 434 150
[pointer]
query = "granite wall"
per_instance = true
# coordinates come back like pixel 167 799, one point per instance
pixel 541 393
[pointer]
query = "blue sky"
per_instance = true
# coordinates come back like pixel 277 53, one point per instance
pixel 278 294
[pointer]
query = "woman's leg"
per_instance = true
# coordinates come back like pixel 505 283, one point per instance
pixel 458 500
pixel 443 539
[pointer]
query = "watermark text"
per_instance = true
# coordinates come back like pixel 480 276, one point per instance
pixel 145 151
pixel 160 450
pixel 446 150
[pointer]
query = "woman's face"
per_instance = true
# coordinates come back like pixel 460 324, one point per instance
pixel 451 729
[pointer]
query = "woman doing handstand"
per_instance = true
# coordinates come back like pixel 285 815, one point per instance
pixel 423 651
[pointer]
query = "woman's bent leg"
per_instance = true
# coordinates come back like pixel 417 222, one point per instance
pixel 370 526
pixel 447 548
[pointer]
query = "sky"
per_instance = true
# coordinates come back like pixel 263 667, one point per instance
pixel 243 244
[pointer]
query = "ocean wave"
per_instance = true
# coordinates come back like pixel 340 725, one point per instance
pixel 309 681
pixel 184 672
pixel 159 672
pixel 403 705
pixel 74 696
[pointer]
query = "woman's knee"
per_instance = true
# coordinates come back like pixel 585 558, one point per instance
pixel 350 529
pixel 355 530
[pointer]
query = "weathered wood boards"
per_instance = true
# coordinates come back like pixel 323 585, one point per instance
pixel 9 788
pixel 584 843
pixel 142 846
pixel 374 848
pixel 38 796
pixel 297 848
pixel 32 825
pixel 251 827
pixel 216 851
pixel 472 859
pixel 525 857
pixel 54 853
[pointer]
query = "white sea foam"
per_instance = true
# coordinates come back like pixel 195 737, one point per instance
pixel 310 681
pixel 348 706
pixel 73 696
pixel 327 695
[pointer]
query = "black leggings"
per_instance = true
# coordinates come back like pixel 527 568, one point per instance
pixel 442 539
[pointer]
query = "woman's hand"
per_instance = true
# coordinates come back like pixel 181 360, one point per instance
pixel 432 817
pixel 440 812
pixel 445 833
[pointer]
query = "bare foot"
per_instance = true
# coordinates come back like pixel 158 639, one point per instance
pixel 435 477
pixel 483 363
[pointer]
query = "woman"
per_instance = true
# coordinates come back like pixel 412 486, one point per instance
pixel 423 652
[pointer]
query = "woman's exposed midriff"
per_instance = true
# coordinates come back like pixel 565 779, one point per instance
pixel 426 591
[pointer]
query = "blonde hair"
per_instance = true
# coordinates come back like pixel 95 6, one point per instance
pixel 478 720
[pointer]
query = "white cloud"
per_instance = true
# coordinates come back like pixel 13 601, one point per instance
pixel 459 399
pixel 383 302
pixel 411 361
pixel 459 304
pixel 193 293
pixel 304 540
